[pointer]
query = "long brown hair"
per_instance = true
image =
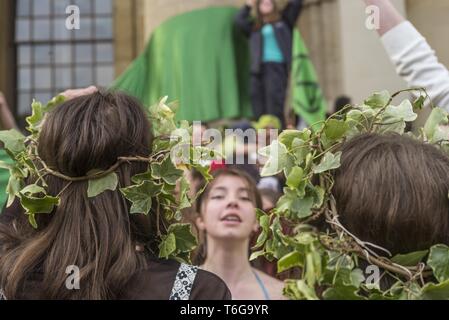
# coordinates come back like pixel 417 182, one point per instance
pixel 200 254
pixel 271 18
pixel 97 235
pixel 392 190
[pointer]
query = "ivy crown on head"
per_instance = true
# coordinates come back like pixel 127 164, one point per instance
pixel 158 183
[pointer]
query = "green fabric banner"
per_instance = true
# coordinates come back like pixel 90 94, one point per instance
pixel 199 59
pixel 306 99
pixel 4 178
pixel 202 60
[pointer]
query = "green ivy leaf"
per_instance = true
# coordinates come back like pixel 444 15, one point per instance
pixel 288 136
pixel 32 189
pixel 184 239
pixel 37 115
pixel 264 222
pixel 394 118
pixel 356 278
pixel 298 290
pixel 402 112
pixel 318 195
pixel 98 186
pixel 439 262
pixel 378 99
pixel 278 160
pixel 433 291
pixel 335 129
pixel 14 141
pixel 141 177
pixel 436 118
pixel 295 177
pixel 291 202
pixel 313 267
pixel 342 292
pixel 307 292
pixel 182 257
pixel 167 246
pixel 184 189
pixel 13 188
pixel 329 162
pixel 34 205
pixel 256 255
pixel 162 118
pixel 300 150
pixel 39 205
pixel 141 196
pixel 32 220
pixel 166 171
pixel 290 260
pixel 410 259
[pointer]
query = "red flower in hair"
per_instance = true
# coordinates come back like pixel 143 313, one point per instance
pixel 217 165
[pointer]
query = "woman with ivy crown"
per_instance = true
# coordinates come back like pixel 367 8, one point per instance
pixel 227 221
pixel 270 37
pixel 95 232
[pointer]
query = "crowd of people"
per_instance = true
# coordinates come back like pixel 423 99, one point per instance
pixel 390 189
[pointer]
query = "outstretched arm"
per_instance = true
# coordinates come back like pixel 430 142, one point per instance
pixel 292 12
pixel 414 59
pixel 242 19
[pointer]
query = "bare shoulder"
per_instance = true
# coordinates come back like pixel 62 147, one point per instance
pixel 273 285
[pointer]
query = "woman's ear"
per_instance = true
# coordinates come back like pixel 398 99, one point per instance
pixel 200 223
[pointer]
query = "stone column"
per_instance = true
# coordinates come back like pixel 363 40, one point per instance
pixel 128 32
pixel 319 26
pixel 7 52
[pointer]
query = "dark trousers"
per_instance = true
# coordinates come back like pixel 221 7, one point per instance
pixel 269 90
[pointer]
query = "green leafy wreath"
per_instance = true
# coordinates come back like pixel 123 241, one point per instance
pixel 329 262
pixel 158 182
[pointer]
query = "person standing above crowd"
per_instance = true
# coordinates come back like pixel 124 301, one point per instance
pixel 271 38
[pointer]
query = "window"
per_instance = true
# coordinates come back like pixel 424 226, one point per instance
pixel 52 58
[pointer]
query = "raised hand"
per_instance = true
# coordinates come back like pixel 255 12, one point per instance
pixel 74 93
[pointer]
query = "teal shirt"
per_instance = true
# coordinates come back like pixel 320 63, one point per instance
pixel 271 50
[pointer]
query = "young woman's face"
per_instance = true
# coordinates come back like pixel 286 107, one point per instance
pixel 266 7
pixel 228 212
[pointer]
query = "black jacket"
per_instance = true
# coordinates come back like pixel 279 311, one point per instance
pixel 283 30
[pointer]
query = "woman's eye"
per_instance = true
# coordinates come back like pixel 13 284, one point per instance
pixel 245 198
pixel 217 197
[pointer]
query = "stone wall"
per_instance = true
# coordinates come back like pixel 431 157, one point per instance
pixel 432 20
pixel 365 64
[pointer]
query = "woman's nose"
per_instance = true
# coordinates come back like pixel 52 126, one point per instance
pixel 233 202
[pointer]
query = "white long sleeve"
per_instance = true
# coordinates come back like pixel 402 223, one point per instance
pixel 417 63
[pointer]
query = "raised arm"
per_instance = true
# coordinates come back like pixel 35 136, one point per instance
pixel 243 20
pixel 414 59
pixel 292 12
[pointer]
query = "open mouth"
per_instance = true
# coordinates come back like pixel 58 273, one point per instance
pixel 231 218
